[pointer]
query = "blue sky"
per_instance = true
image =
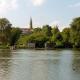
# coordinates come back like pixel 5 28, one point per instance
pixel 51 12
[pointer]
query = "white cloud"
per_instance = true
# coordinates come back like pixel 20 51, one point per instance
pixel 7 5
pixel 75 5
pixel 37 2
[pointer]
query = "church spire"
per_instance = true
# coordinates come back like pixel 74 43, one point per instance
pixel 31 24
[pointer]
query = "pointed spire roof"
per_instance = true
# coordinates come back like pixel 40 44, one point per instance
pixel 31 24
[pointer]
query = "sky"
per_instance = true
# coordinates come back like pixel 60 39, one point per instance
pixel 52 12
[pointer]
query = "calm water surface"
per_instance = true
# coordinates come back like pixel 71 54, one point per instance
pixel 39 65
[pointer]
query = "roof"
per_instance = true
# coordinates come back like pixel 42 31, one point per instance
pixel 26 30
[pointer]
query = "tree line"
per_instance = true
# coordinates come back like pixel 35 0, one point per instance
pixel 8 34
pixel 67 38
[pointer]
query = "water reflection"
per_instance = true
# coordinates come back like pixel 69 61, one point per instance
pixel 39 65
pixel 43 68
pixel 4 64
pixel 76 61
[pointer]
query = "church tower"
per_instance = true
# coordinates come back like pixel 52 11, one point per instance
pixel 31 24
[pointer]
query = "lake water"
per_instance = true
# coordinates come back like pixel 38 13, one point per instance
pixel 39 65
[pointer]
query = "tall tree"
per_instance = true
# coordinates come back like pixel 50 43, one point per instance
pixel 55 34
pixel 55 30
pixel 47 30
pixel 66 37
pixel 75 32
pixel 15 34
pixel 5 30
pixel 57 37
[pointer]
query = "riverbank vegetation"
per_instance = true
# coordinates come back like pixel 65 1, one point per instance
pixel 46 36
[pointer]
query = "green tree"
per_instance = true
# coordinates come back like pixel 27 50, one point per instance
pixel 55 34
pixel 57 38
pixel 5 30
pixel 66 37
pixel 23 41
pixel 55 30
pixel 37 30
pixel 15 34
pixel 39 38
pixel 75 32
pixel 47 30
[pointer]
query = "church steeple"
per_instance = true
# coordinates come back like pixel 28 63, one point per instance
pixel 31 24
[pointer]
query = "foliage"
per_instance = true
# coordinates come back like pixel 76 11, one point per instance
pixel 5 30
pixel 75 32
pixel 68 38
pixel 37 30
pixel 22 41
pixel 39 38
pixel 47 30
pixel 59 44
pixel 55 30
pixel 57 37
pixel 15 34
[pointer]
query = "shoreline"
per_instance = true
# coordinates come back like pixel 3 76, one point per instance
pixel 39 48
